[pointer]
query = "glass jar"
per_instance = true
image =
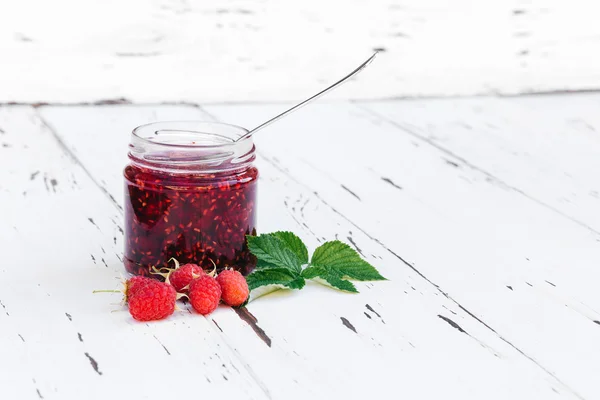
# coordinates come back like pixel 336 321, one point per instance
pixel 190 194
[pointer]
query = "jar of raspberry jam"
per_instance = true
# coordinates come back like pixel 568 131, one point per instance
pixel 190 194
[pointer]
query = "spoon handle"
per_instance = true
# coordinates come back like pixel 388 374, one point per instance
pixel 314 97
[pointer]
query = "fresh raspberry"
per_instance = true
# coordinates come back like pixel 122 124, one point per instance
pixel 132 284
pixel 205 294
pixel 233 287
pixel 182 276
pixel 151 300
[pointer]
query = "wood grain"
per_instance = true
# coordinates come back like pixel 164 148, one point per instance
pixel 238 51
pixel 526 271
pixel 545 147
pixel 61 239
pixel 479 302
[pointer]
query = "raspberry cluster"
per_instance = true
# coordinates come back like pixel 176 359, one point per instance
pixel 150 299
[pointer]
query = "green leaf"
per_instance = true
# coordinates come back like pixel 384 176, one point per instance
pixel 329 278
pixel 261 264
pixel 272 250
pixel 297 283
pixel 344 261
pixel 260 291
pixel 263 290
pixel 281 255
pixel 294 243
pixel 312 272
pixel 274 276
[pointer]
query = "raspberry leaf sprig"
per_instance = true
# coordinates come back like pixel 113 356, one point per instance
pixel 283 262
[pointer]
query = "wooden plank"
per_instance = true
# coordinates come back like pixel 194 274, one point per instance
pixel 545 147
pixel 527 272
pixel 61 238
pixel 268 51
pixel 326 344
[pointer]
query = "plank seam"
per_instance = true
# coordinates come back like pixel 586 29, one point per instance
pixel 261 385
pixel 436 286
pixel 489 94
pixel 69 152
pixel 446 151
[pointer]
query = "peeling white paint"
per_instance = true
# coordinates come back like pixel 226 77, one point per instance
pixel 238 51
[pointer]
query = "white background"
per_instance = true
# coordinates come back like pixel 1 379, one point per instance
pixel 268 50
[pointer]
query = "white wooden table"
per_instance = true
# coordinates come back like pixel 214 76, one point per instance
pixel 272 50
pixel 484 213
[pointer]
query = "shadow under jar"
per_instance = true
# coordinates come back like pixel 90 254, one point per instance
pixel 190 194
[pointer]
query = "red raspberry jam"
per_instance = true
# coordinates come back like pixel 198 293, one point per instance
pixel 190 194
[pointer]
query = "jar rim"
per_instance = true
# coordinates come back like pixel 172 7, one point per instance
pixel 191 145
pixel 139 129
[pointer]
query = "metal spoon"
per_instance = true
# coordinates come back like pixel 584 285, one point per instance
pixel 314 97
